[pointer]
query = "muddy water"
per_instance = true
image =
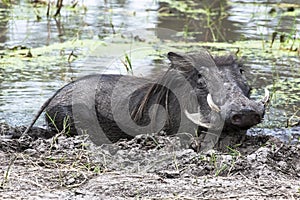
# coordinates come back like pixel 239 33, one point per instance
pixel 100 32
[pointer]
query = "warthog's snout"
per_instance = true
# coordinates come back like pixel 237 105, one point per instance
pixel 244 113
pixel 246 118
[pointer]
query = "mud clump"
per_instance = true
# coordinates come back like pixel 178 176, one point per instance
pixel 147 167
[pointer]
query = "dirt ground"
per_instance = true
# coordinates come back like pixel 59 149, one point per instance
pixel 147 167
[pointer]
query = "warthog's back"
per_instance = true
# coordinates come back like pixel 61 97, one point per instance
pixel 86 104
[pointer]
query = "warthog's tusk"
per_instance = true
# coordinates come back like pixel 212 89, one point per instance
pixel 266 98
pixel 197 118
pixel 211 104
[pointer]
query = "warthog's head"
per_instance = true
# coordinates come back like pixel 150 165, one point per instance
pixel 221 91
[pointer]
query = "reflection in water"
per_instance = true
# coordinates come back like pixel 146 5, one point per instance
pixel 4 13
pixel 26 85
pixel 199 20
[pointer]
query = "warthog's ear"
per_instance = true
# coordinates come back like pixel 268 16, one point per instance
pixel 180 61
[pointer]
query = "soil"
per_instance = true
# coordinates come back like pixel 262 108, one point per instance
pixel 147 167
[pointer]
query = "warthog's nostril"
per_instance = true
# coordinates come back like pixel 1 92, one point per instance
pixel 236 119
pixel 257 118
pixel 245 118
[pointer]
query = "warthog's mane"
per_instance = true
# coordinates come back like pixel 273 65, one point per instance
pixel 161 88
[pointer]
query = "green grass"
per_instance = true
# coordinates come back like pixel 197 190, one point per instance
pixel 6 174
pixel 66 124
pixel 127 64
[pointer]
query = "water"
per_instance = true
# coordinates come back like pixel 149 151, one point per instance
pixel 100 32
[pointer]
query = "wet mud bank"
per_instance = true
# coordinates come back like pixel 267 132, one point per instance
pixel 147 167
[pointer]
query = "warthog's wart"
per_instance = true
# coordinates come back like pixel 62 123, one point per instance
pixel 198 93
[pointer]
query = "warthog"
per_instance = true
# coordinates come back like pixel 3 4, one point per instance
pixel 197 93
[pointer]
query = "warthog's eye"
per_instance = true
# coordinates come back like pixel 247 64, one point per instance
pixel 200 81
pixel 242 70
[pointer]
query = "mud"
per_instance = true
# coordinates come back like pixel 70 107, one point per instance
pixel 147 167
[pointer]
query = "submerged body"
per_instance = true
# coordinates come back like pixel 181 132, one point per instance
pixel 197 93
